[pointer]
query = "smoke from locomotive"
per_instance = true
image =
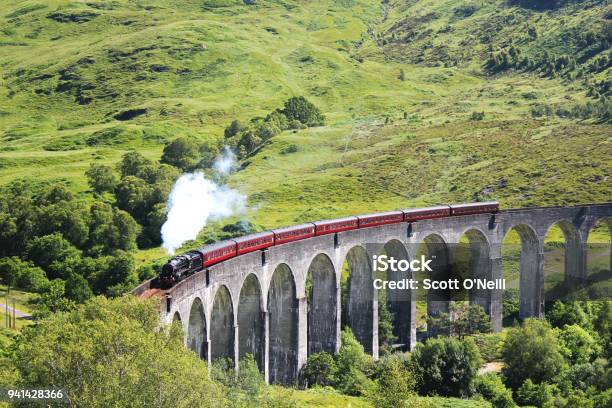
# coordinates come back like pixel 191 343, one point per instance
pixel 195 200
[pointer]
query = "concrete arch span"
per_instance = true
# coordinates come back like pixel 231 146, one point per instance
pixel 474 248
pixel 531 276
pixel 358 301
pixel 434 247
pixel 401 303
pixel 283 327
pixel 222 326
pixel 322 294
pixel 197 338
pixel 574 265
pixel 251 325
pixel 598 251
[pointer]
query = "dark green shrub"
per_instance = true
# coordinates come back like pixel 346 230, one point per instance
pixel 531 352
pixel 537 395
pixel 475 116
pixel 292 148
pixel 101 178
pixel 447 366
pixel 298 108
pixel 395 384
pixel 352 361
pixel 562 313
pixel 182 153
pixel 320 369
pixel 491 388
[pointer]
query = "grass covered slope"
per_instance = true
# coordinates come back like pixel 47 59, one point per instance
pixel 415 113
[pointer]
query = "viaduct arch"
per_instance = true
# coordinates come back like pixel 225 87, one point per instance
pixel 285 305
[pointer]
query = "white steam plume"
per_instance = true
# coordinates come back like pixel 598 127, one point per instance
pixel 224 164
pixel 195 200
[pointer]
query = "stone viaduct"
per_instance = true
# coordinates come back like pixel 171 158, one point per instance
pixel 284 303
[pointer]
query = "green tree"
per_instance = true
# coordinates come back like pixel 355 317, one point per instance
pixel 320 369
pixel 110 353
pixel 111 228
pixel 603 400
pixel 277 120
pixel 589 376
pixel 602 323
pixel 233 129
pixel 562 313
pixel 208 155
pixel 182 153
pixel 385 323
pixel 151 234
pixel 77 288
pixel 491 388
pixel 66 217
pixel 101 178
pixel 54 254
pixel 351 361
pixel 447 366
pixel 537 395
pixel 245 387
pixel 15 272
pixel 132 164
pixel 531 352
pixel 395 385
pixel 52 300
pixel 578 346
pixel 119 277
pixel 134 195
pixel 299 108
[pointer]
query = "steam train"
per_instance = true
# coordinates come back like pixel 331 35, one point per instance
pixel 179 267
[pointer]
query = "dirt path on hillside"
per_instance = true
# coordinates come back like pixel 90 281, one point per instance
pixel 18 313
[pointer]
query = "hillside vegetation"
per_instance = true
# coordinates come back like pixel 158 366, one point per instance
pixel 425 101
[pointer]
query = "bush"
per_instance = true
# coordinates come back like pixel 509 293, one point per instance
pixel 298 108
pixel 77 289
pixel 447 366
pixel 603 400
pixel 320 369
pixel 17 273
pixel 292 148
pixel 101 178
pixel 589 375
pixel 52 300
pixel 491 388
pixel 489 345
pixel 578 346
pixel 182 153
pixel 511 304
pixel 537 395
pixel 233 129
pixel 562 313
pixel 531 352
pixel 466 320
pixel 132 164
pixel 477 116
pixel 54 254
pixel 395 384
pixel 352 361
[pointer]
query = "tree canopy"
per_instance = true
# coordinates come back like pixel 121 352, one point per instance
pixel 110 353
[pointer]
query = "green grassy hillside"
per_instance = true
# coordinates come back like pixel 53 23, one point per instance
pixel 422 107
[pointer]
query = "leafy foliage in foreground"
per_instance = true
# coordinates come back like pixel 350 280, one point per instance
pixel 110 353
